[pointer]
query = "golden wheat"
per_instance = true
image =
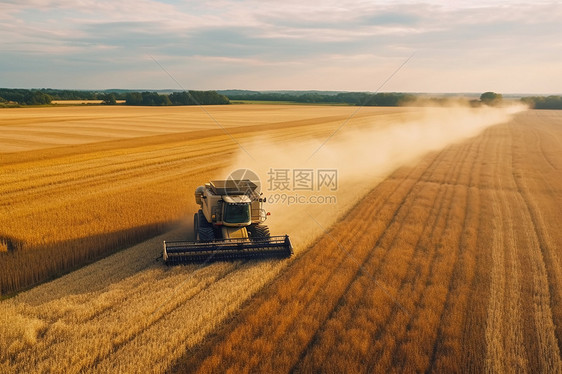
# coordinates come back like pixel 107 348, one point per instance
pixel 66 206
pixel 127 312
pixel 461 273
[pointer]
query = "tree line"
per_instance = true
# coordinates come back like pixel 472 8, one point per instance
pixel 350 98
pixel 543 102
pixel 176 98
pixel 44 96
pixel 20 96
pixel 24 97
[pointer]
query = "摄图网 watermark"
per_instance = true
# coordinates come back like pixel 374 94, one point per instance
pixel 282 179
pixel 290 186
pixel 284 185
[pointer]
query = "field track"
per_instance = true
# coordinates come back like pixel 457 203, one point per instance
pixel 380 290
pixel 452 265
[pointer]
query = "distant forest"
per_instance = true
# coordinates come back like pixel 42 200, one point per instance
pixel 46 96
pixel 24 97
pixel 175 98
pixel 350 98
pixel 16 97
pixel 542 102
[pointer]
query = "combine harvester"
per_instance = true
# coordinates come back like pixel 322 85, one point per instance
pixel 229 225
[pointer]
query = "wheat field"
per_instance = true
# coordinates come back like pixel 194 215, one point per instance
pixel 452 266
pixel 135 187
pixel 378 290
pixel 87 181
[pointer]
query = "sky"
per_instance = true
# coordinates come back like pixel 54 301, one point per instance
pixel 389 46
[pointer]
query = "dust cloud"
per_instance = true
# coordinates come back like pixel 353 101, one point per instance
pixel 359 156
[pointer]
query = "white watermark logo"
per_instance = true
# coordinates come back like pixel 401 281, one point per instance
pixel 293 199
pixel 245 181
pixel 288 186
pixel 302 179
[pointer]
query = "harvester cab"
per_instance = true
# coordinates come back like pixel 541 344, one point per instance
pixel 229 225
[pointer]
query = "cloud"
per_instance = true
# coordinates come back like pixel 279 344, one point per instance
pixel 265 42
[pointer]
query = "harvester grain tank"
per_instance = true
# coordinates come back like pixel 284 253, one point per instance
pixel 229 225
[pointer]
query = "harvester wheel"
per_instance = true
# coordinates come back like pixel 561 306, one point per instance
pixel 205 230
pixel 259 231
